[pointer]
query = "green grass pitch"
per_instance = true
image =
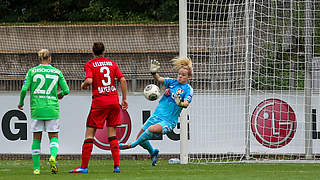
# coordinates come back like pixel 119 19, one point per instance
pixel 142 169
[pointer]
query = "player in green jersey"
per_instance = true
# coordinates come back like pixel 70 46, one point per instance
pixel 43 81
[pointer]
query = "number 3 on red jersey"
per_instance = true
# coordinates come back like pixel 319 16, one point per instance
pixel 106 73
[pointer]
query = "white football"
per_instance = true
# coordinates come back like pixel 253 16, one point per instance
pixel 151 92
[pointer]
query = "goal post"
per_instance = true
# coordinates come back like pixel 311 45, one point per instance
pixel 308 79
pixel 183 42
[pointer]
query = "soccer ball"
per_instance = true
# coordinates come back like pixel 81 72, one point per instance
pixel 151 92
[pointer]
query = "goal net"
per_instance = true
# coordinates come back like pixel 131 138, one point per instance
pixel 256 80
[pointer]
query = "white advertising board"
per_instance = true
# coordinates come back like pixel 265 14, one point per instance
pixel 213 127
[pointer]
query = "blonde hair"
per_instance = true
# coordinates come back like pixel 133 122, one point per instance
pixel 182 62
pixel 44 54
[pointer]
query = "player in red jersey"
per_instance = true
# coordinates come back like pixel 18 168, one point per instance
pixel 100 74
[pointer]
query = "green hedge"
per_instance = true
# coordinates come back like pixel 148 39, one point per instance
pixel 84 10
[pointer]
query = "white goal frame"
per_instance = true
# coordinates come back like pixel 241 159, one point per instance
pixel 187 48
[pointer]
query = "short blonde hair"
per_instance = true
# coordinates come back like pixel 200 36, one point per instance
pixel 183 62
pixel 44 54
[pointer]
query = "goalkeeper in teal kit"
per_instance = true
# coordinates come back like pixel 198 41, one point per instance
pixel 43 81
pixel 178 95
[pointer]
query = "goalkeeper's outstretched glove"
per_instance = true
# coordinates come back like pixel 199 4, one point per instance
pixel 154 66
pixel 178 100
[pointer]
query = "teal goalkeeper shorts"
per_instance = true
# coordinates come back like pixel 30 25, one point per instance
pixel 166 126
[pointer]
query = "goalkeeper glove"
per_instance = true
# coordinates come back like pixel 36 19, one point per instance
pixel 178 100
pixel 154 66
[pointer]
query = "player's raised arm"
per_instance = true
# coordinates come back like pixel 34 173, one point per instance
pixel 154 67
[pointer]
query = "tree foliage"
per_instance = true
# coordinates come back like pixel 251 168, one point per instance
pixel 88 10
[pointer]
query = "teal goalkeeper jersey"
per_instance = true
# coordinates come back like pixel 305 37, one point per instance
pixel 43 81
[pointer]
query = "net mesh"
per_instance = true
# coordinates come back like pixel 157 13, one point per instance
pixel 256 78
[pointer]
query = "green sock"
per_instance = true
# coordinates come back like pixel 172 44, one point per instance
pixel 54 146
pixel 36 153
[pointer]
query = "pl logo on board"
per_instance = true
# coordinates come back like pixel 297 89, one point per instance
pixel 273 123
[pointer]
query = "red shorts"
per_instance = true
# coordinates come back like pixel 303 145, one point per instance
pixel 109 113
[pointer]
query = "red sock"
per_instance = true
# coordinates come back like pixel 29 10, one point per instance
pixel 86 152
pixel 114 146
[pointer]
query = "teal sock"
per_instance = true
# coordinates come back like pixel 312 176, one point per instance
pixel 54 146
pixel 147 145
pixel 36 153
pixel 144 136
